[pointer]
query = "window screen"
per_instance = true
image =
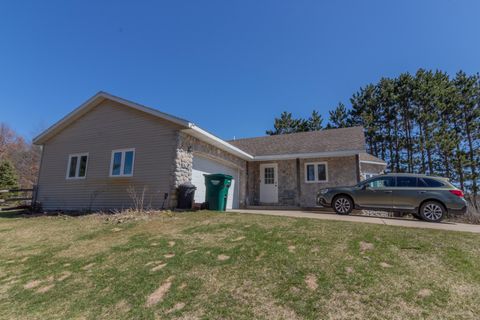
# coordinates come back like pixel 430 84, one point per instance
pixel 77 166
pixel 73 167
pixel 322 172
pixel 117 163
pixel 310 172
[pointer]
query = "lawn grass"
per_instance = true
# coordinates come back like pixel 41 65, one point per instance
pixel 233 266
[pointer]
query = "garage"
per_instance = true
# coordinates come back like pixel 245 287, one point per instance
pixel 201 166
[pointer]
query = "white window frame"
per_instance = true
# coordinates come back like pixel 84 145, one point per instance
pixel 77 169
pixel 122 163
pixel 315 166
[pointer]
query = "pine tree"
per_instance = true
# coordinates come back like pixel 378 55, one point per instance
pixel 8 178
pixel 284 125
pixel 338 118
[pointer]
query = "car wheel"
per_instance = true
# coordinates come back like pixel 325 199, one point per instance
pixel 432 211
pixel 343 205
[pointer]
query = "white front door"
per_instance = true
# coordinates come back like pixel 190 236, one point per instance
pixel 269 183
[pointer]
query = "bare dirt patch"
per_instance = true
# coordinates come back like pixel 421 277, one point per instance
pixel 223 257
pixel 32 284
pixel 117 229
pixel 64 275
pixel 238 239
pixel 291 249
pixel 122 306
pixel 260 256
pixel 311 282
pixel 365 246
pixel 88 266
pixel 385 265
pixel 177 307
pixel 169 255
pixel 349 270
pixel 424 293
pixel 152 263
pixel 160 266
pixel 191 251
pixel 171 243
pixel 182 286
pixel 158 295
pixel 45 288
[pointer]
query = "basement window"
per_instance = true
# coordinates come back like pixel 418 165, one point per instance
pixel 77 166
pixel 316 172
pixel 122 163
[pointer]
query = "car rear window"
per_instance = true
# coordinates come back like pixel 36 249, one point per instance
pixel 429 183
pixel 407 182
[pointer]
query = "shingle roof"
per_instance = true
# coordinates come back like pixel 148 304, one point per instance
pixel 331 140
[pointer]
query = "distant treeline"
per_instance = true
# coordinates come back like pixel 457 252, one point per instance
pixel 19 160
pixel 423 123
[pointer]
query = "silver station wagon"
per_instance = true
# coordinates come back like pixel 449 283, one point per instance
pixel 426 197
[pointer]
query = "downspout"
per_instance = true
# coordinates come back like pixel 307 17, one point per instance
pixel 357 165
pixel 299 185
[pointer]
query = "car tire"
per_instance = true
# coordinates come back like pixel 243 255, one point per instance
pixel 432 211
pixel 342 205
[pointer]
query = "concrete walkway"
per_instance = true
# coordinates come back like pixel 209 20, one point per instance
pixel 321 215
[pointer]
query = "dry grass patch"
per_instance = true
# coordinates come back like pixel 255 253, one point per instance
pixel 45 288
pixel 311 282
pixel 158 295
pixel 223 257
pixel 32 284
pixel 158 267
pixel 365 246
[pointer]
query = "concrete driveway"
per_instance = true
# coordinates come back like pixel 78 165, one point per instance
pixel 321 215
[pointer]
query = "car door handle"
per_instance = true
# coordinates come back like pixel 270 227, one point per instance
pixel 422 191
pixel 388 191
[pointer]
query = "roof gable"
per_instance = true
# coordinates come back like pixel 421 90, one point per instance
pixel 94 101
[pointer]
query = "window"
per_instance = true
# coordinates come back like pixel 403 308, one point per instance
pixel 429 183
pixel 403 182
pixel 269 176
pixel 382 182
pixel 316 172
pixel 77 166
pixel 122 163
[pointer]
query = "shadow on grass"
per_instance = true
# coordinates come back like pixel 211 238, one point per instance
pixel 25 213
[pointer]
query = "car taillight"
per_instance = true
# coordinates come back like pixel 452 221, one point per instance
pixel 458 193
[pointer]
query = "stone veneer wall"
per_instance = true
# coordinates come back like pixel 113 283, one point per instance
pixel 187 147
pixel 287 182
pixel 342 171
pixel 293 192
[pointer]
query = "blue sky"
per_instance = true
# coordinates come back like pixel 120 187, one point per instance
pixel 228 66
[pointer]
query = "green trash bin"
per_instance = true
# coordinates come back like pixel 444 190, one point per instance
pixel 217 190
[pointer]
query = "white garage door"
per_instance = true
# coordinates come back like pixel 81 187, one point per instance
pixel 203 166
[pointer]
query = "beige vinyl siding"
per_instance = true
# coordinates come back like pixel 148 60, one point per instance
pixel 107 127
